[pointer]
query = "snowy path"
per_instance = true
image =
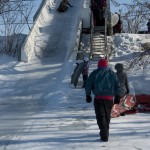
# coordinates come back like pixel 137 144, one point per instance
pixel 72 125
pixel 39 110
pixel 61 119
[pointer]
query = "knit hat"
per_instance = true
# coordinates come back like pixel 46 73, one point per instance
pixel 119 67
pixel 102 63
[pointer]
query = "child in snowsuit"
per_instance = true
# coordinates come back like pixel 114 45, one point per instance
pixel 85 71
pixel 123 80
pixel 103 83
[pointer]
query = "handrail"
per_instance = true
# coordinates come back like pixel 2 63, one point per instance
pixel 91 35
pixel 105 36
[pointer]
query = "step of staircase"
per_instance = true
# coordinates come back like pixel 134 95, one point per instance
pixel 97 53
pixel 98 49
pixel 97 57
pixel 99 29
pixel 99 37
pixel 98 43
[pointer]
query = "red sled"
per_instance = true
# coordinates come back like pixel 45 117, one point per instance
pixel 143 102
pixel 126 104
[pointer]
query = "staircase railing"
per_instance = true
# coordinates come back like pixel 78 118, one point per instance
pixel 105 36
pixel 91 35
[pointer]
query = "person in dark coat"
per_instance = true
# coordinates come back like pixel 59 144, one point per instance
pixel 85 71
pixel 118 27
pixel 101 3
pixel 148 26
pixel 123 81
pixel 64 6
pixel 103 83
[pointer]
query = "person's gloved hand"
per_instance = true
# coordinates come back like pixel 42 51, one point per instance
pixel 88 98
pixel 127 91
pixel 117 100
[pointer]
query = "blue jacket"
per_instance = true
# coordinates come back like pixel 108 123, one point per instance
pixel 102 82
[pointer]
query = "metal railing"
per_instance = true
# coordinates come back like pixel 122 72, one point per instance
pixel 105 36
pixel 91 35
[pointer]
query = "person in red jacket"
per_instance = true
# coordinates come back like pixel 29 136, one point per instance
pixel 123 80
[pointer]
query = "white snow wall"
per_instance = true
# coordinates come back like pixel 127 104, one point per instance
pixel 86 14
pixel 53 32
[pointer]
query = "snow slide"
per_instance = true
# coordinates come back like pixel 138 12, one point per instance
pixel 53 34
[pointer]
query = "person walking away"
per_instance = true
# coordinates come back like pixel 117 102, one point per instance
pixel 85 71
pixel 103 83
pixel 148 26
pixel 123 81
pixel 64 6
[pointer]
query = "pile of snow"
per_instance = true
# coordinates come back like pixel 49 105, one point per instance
pixel 125 44
pixel 125 49
pixel 40 110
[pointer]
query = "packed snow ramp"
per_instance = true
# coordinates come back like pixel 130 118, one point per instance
pixel 53 33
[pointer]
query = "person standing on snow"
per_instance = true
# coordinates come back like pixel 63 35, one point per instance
pixel 85 71
pixel 148 26
pixel 118 27
pixel 123 80
pixel 103 83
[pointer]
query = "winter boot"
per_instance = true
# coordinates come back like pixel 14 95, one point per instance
pixel 104 135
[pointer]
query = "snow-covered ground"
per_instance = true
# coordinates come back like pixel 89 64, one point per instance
pixel 40 110
pixel 126 47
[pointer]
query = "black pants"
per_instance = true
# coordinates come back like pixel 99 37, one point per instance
pixel 103 116
pixel 85 77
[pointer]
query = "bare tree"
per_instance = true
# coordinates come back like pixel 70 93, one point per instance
pixel 134 19
pixel 11 31
pixel 14 22
pixel 5 7
pixel 133 14
pixel 141 59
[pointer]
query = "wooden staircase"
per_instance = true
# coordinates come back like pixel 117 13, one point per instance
pixel 98 43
